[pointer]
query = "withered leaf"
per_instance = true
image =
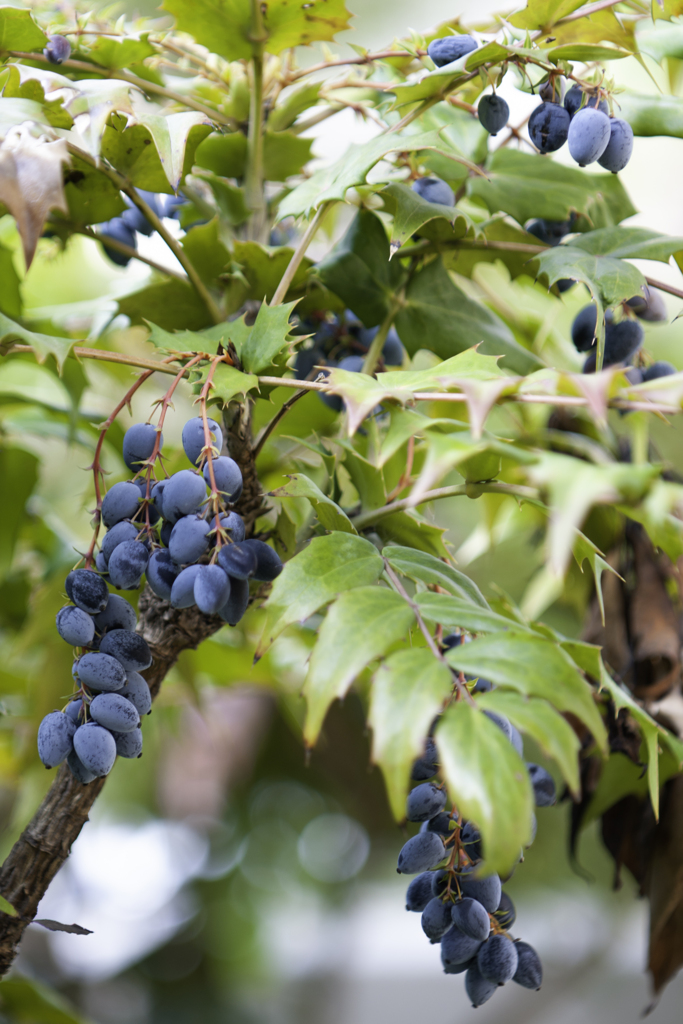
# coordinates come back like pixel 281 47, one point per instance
pixel 57 926
pixel 31 183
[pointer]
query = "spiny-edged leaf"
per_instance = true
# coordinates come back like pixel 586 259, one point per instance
pixel 534 666
pixel 225 155
pixel 228 382
pixel 263 269
pixel 42 344
pixel 358 269
pixel 18 30
pixel 284 155
pixel 350 171
pixel 294 103
pixel 99 98
pixel 629 243
pixel 538 719
pixel 411 529
pixel 477 459
pixel 455 611
pixel 410 211
pixel 488 783
pixel 468 364
pixel 175 139
pixel 31 184
pixel 269 336
pixel 361 393
pixel 120 53
pixel 91 195
pixel 525 187
pixel 431 84
pixel 26 1001
pixel 230 199
pixel 226 26
pixel 329 514
pixel 585 550
pixel 190 341
pixel 542 14
pixel 14 111
pixel 326 567
pixel 653 115
pixel 365 476
pixel 173 305
pixel 206 250
pixel 464 259
pixel 359 627
pixel 418 565
pixel 438 316
pixel 408 691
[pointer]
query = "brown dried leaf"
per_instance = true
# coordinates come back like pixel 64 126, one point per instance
pixel 31 184
pixel 57 926
pixel 653 626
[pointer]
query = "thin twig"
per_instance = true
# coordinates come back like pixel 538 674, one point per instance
pixel 270 427
pixel 297 256
pixel 369 58
pixel 128 250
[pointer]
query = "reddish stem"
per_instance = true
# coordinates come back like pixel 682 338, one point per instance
pixel 214 499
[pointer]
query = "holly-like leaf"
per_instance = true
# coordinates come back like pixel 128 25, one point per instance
pixel 410 529
pixel 156 149
pixel 18 31
pixel 359 627
pixel 262 269
pixel 539 720
pixel 91 195
pixel 284 155
pixel 173 305
pixel 225 155
pixel 438 316
pixel 542 14
pixel 488 783
pixel 43 345
pixel 229 382
pixel 420 566
pixel 455 611
pixel 259 346
pixel 226 26
pixel 327 567
pixel 630 243
pixel 411 212
pixel 533 666
pixel 31 184
pixel 113 53
pixel 99 98
pixel 328 513
pixel 295 102
pixel 408 691
pixel 586 52
pixel 653 115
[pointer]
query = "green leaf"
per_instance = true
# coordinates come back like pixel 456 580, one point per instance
pixel 176 138
pixel 173 305
pixel 420 566
pixel 665 40
pixel 403 425
pixel 226 27
pixel 190 341
pixel 327 567
pixel 229 198
pixel 412 530
pixel 206 251
pixel 410 211
pixel 269 336
pixel 225 155
pixel 455 611
pixel 608 279
pixel 438 316
pixel 358 269
pixel 19 473
pixel 229 382
pixel 120 53
pixel 329 514
pixel 538 719
pixel 91 195
pixel 585 52
pixel 284 154
pixel 23 379
pixel 14 111
pixel 358 628
pixel 629 243
pixel 534 666
pixel 26 1001
pixel 488 783
pixel 10 285
pixel 18 30
pixel 262 268
pixel 295 102
pixel 408 691
pixel 43 345
pixel 542 14
pixel 431 85
pixel 525 187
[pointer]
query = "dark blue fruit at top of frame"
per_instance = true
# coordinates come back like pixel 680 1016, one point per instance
pixel 424 802
pixel 426 766
pixel 497 959
pixel 189 539
pixel 123 531
pixel 55 738
pixel 184 494
pixel 549 127
pixel 120 502
pixel 138 444
pixel 211 589
pixel 529 971
pixel 449 48
pixel 588 136
pixel 649 306
pixel 472 918
pixel 441 823
pixel 574 98
pixel 543 784
pixel 457 948
pixel 162 572
pixel 137 692
pixel 128 744
pixel 493 113
pixel 182 591
pixel 434 190
pixel 506 915
pixel 436 919
pixel 119 232
pixel 234 524
pixel 193 438
pixel 78 769
pixel 96 748
pixel 135 219
pixel 238 560
pixel 75 626
pixel 57 50
pixel 486 890
pixel 619 148
pixel 73 711
pixel 100 672
pixel 127 564
pixel 87 590
pixel 659 369
pixel 119 614
pixel 268 562
pixel 237 603
pixel 114 712
pixel 130 649
pixel 227 475
pixel 419 892
pixel 422 852
pixel 478 988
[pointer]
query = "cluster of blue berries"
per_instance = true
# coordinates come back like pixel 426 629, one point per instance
pixel 467 913
pixel 623 338
pixel 583 122
pixel 132 222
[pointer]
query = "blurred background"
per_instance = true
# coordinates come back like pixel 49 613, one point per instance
pixel 225 879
